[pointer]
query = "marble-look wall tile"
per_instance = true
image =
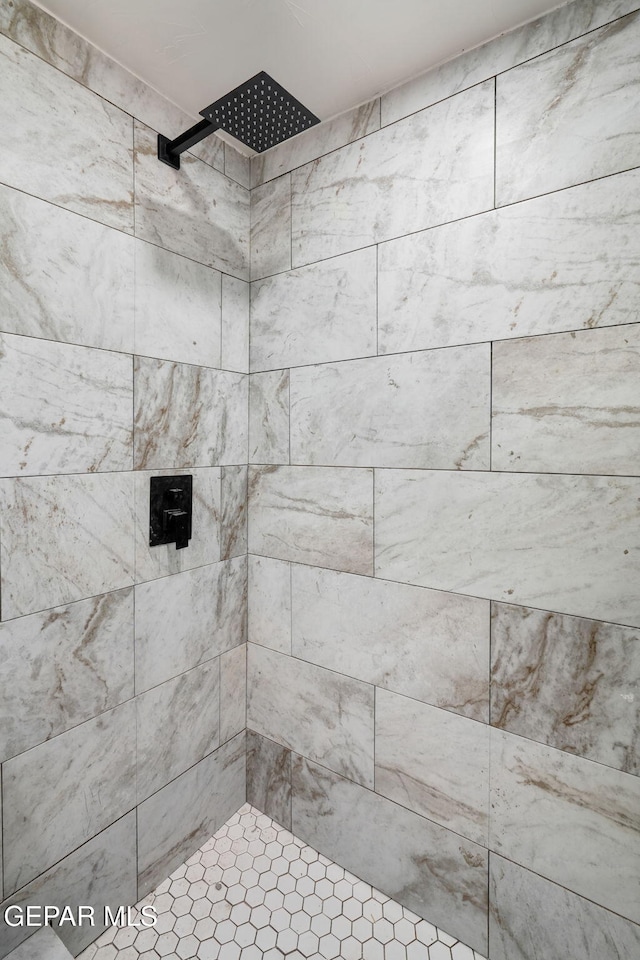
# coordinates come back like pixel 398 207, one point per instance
pixel 427 868
pixel 46 817
pixel 571 820
pixel 314 143
pixel 206 796
pixel 100 873
pixel 269 417
pixel 177 724
pixel 188 416
pixel 77 660
pixel 43 945
pixel 178 307
pixel 556 924
pixel 50 526
pixel 271 228
pixel 233 692
pixel 317 515
pixel 568 403
pixel 425 644
pixel 434 763
pixel 561 262
pixel 187 619
pixel 326 311
pixel 427 410
pixel 270 604
pixel 430 168
pixel 64 409
pixel 233 518
pixel 62 276
pixel 235 324
pixel 237 165
pixel 269 778
pixel 558 542
pixel 569 115
pixel 195 211
pixel 318 713
pixel 50 116
pixel 568 682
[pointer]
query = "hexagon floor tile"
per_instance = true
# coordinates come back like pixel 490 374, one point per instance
pixel 256 892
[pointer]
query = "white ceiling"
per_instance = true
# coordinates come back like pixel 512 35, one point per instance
pixel 330 54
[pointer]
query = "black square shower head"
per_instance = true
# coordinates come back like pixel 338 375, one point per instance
pixel 260 113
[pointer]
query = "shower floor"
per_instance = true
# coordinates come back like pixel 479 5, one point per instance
pixel 256 892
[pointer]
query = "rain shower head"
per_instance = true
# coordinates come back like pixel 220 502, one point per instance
pixel 260 113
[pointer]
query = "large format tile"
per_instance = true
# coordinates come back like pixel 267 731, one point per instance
pixel 569 115
pixel 428 410
pixel 326 311
pixel 558 542
pixel 430 168
pixel 195 211
pixel 233 692
pixel 435 763
pixel 186 619
pixel 43 945
pixel 316 515
pixel 64 409
pixel 561 262
pixel 235 324
pixel 233 512
pixel 427 868
pixel 62 276
pixel 318 713
pixel 74 662
pixel 568 403
pixel 237 165
pixel 571 820
pixel 428 645
pixel 67 144
pixel 269 778
pixel 63 539
pixel 269 417
pixel 556 924
pixel 270 603
pixel 568 682
pixel 271 228
pixel 46 815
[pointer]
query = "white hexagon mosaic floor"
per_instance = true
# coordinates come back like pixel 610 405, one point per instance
pixel 256 892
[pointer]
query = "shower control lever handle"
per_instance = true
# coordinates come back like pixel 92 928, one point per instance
pixel 177 524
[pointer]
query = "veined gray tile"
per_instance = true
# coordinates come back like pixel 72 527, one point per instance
pixel 233 692
pixel 233 515
pixel 316 515
pixel 571 820
pixel 428 645
pixel 186 619
pixel 428 410
pixel 177 724
pixel 568 403
pixel 51 116
pixel 62 276
pixel 204 546
pixel 568 682
pixel 315 142
pixel 65 409
pixel 536 267
pixel 44 944
pixel 100 873
pixel 63 539
pixel 46 817
pixel 318 713
pixel 269 778
pixel 270 604
pixel 237 166
pixel 558 542
pixel 235 324
pixel 206 796
pixel 269 417
pixel 326 311
pixel 178 307
pixel 188 416
pixel 556 924
pixel 195 211
pixel 569 115
pixel 271 228
pixel 432 167
pixel 74 662
pixel 427 868
pixel 434 763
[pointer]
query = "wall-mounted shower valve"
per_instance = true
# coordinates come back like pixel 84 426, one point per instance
pixel 170 502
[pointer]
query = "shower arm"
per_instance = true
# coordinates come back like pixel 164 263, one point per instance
pixel 169 150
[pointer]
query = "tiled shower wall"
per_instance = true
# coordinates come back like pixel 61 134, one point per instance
pixel 124 306
pixel 444 491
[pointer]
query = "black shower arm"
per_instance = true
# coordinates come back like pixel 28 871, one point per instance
pixel 169 150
